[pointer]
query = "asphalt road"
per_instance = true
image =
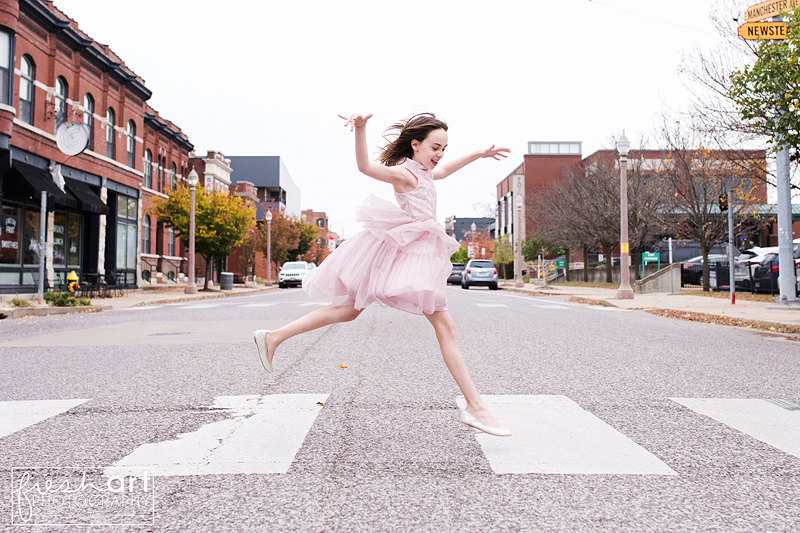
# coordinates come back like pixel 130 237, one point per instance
pixel 622 421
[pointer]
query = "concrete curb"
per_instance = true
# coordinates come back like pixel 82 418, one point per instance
pixel 21 312
pixel 201 297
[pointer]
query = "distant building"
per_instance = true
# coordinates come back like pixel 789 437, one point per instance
pixel 325 241
pixel 213 171
pixel 272 181
pixel 460 228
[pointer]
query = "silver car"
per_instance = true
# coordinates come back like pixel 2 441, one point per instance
pixel 479 272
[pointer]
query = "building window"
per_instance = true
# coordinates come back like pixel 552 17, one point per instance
pixel 146 234
pixel 127 212
pixel 5 68
pixel 88 118
pixel 61 101
pixel 110 134
pixel 148 169
pixel 321 222
pixel 131 142
pixel 173 171
pixel 67 239
pixel 26 76
pixel 171 241
pixel 10 242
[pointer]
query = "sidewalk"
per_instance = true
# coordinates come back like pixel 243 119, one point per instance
pixel 759 313
pixel 148 295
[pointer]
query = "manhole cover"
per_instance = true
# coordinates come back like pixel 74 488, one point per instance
pixel 168 334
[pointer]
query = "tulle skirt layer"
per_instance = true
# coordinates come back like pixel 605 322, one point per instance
pixel 396 261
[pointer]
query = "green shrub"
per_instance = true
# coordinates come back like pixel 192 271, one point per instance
pixel 64 299
pixel 20 302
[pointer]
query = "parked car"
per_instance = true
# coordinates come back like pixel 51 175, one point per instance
pixel 293 273
pixel 683 251
pixel 456 274
pixel 765 275
pixel 479 272
pixel 692 271
pixel 746 264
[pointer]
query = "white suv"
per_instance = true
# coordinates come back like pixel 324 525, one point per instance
pixel 293 273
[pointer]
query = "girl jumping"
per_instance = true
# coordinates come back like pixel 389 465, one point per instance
pixel 402 258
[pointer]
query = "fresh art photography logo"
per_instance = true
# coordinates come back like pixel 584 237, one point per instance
pixel 82 495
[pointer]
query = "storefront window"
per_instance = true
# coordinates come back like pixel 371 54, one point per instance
pixel 59 238
pixel 74 240
pixel 127 213
pixel 32 229
pixel 9 235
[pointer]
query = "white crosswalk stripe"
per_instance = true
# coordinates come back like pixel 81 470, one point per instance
pixel 554 435
pixel 776 423
pixel 259 305
pixel 491 305
pixel 550 307
pixel 18 415
pixel 262 437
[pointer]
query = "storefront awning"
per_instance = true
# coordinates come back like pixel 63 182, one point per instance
pixel 26 181
pixel 87 198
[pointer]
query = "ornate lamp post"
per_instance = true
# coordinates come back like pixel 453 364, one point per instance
pixel 474 228
pixel 191 287
pixel 268 217
pixel 624 292
pixel 518 233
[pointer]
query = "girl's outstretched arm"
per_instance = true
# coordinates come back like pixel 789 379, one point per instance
pixel 445 169
pixel 401 179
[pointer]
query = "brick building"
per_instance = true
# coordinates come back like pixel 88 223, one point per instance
pixel 53 74
pixel 326 242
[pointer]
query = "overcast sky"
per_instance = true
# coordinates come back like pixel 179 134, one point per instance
pixel 263 77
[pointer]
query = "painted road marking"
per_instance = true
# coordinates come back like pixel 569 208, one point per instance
pixel 262 437
pixel 323 304
pixel 142 308
pixel 18 415
pixel 554 435
pixel 259 305
pixel 491 305
pixel 771 422
pixel 550 307
pixel 199 306
pixel 604 308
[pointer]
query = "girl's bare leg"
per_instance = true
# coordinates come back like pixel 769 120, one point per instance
pixel 448 342
pixel 324 316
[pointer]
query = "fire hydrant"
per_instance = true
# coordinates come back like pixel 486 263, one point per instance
pixel 72 278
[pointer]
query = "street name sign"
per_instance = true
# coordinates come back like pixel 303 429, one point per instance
pixel 762 30
pixel 769 9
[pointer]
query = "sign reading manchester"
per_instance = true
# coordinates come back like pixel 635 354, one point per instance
pixel 762 30
pixel 768 9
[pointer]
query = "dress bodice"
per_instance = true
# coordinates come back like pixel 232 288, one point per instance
pixel 419 203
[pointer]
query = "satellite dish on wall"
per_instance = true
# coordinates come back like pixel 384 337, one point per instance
pixel 72 137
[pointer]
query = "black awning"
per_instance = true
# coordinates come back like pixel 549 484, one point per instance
pixel 26 181
pixel 87 198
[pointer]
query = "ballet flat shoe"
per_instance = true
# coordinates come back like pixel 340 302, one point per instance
pixel 260 336
pixel 471 421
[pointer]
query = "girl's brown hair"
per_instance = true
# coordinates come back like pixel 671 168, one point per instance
pixel 398 145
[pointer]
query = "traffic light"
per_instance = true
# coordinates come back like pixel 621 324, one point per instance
pixel 723 203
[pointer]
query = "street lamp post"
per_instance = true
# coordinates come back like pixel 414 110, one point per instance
pixel 624 292
pixel 474 228
pixel 518 232
pixel 268 217
pixel 191 286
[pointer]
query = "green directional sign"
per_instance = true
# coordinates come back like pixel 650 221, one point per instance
pixel 561 263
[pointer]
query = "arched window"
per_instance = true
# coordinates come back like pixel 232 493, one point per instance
pixel 88 118
pixel 148 169
pixel 131 142
pixel 146 234
pixel 173 171
pixel 26 77
pixel 110 133
pixel 61 101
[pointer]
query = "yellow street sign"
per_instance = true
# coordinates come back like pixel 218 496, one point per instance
pixel 762 30
pixel 769 9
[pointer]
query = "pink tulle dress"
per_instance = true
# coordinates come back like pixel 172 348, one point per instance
pixel 401 259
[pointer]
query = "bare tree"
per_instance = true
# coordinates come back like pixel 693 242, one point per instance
pixel 696 176
pixel 713 110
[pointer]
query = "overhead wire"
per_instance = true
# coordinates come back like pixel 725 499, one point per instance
pixel 652 18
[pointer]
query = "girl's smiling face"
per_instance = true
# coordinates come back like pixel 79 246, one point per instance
pixel 431 150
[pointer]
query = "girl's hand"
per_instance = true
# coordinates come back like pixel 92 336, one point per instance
pixel 356 120
pixel 495 153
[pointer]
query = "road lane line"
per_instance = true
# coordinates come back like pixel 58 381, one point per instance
pixel 18 415
pixel 770 422
pixel 262 437
pixel 259 305
pixel 554 435
pixel 323 304
pixel 551 306
pixel 491 305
